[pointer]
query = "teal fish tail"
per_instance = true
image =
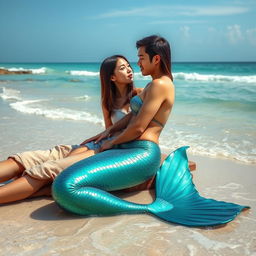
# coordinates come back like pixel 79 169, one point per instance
pixel 178 201
pixel 82 188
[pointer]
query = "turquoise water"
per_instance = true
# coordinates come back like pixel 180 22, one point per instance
pixel 214 112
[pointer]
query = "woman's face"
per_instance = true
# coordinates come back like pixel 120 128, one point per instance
pixel 123 73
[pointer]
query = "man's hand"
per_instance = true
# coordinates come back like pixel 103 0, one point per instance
pixel 103 135
pixel 90 139
pixel 106 145
pixel 97 137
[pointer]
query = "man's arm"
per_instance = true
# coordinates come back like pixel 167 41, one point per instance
pixel 121 124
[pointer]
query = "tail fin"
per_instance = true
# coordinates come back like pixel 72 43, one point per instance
pixel 178 201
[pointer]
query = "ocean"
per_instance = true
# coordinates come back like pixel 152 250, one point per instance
pixel 214 111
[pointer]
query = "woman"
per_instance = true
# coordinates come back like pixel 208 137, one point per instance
pixel 134 155
pixel 34 170
pixel 116 91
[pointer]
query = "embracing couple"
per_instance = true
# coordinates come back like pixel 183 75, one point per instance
pixel 124 155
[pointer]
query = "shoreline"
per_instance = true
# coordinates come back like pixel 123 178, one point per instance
pixel 232 160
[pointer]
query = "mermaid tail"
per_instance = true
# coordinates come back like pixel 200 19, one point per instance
pixel 82 187
pixel 174 186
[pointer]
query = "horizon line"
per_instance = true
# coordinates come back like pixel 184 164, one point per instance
pixel 73 62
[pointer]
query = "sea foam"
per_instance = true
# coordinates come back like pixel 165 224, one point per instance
pixel 205 146
pixel 214 78
pixel 83 98
pixel 139 76
pixel 10 94
pixel 204 77
pixel 32 107
pixel 82 73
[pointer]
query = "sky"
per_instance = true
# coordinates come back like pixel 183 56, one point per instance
pixel 90 30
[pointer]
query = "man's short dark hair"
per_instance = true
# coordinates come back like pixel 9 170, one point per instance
pixel 157 45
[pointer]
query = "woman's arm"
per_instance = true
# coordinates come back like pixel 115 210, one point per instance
pixel 155 96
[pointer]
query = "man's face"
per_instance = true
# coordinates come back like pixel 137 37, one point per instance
pixel 144 62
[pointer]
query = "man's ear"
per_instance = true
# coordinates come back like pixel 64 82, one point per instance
pixel 156 59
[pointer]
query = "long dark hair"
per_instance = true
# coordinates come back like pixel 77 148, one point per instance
pixel 156 45
pixel 108 87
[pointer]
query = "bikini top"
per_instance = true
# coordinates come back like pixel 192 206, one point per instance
pixel 136 103
pixel 118 114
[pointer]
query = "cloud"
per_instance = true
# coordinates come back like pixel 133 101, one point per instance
pixel 147 11
pixel 175 10
pixel 234 34
pixel 122 13
pixel 251 36
pixel 159 22
pixel 213 11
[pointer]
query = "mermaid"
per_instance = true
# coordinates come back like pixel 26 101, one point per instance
pixel 133 156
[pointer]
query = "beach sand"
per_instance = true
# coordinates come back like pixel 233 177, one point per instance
pixel 39 227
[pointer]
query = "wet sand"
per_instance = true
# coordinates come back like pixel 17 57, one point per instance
pixel 40 227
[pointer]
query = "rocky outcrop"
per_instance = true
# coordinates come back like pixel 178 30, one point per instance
pixel 8 72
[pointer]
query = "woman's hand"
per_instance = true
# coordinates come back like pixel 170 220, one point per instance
pixel 106 145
